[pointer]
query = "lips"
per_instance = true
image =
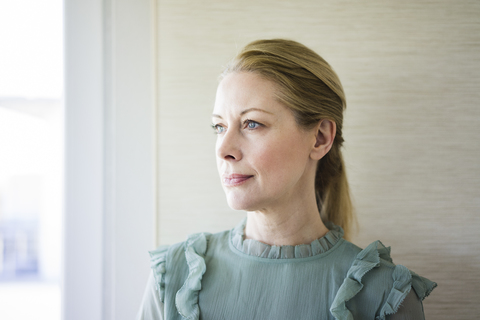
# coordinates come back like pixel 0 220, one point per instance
pixel 235 179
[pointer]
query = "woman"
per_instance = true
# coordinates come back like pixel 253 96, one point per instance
pixel 278 116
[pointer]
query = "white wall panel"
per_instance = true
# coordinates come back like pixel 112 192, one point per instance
pixel 84 158
pixel 111 132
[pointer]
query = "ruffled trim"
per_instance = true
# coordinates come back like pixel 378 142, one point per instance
pixel 403 281
pixel 402 284
pixel 422 286
pixel 186 299
pixel 262 250
pixel 158 259
pixel 366 260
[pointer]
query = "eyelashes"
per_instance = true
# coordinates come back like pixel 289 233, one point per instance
pixel 247 124
pixel 251 125
pixel 217 128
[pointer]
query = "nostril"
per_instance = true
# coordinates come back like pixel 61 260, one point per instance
pixel 229 157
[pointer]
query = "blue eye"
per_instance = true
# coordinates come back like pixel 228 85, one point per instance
pixel 250 124
pixel 217 128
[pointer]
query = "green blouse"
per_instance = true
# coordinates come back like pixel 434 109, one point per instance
pixel 224 276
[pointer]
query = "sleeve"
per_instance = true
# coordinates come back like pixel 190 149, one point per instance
pixel 377 288
pixel 410 309
pixel 151 307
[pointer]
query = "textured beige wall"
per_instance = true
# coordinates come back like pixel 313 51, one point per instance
pixel 411 72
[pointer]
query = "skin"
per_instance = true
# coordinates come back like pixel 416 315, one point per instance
pixel 267 162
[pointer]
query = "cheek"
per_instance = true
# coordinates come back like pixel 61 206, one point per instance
pixel 282 159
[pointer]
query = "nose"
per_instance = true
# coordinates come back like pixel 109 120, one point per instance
pixel 228 146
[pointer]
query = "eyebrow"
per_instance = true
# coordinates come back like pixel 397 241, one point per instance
pixel 244 112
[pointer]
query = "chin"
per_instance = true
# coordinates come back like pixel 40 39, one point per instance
pixel 235 205
pixel 239 203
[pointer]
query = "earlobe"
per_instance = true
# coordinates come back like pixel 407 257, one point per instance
pixel 325 134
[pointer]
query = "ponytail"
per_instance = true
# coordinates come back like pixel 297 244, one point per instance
pixel 333 193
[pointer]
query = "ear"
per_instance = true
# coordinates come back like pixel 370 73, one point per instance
pixel 325 134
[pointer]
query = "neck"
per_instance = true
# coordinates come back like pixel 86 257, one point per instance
pixel 292 225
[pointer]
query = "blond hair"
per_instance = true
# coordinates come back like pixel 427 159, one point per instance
pixel 312 90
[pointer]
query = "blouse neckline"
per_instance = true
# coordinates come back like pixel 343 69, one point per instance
pixel 262 250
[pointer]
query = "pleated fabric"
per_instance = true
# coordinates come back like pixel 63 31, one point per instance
pixel 223 276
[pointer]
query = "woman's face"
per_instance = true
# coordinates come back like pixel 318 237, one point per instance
pixel 263 157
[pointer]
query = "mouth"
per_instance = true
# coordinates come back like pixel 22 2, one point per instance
pixel 234 180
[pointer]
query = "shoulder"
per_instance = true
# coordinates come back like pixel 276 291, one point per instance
pixel 178 258
pixel 375 286
pixel 166 256
pixel 178 270
pixel 197 242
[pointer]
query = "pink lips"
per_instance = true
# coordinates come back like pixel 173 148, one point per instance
pixel 235 179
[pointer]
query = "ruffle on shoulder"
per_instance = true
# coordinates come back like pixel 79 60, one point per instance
pixel 262 250
pixel 403 281
pixel 158 259
pixel 422 286
pixel 402 284
pixel 186 299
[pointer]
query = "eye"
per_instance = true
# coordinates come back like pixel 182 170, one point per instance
pixel 217 128
pixel 251 125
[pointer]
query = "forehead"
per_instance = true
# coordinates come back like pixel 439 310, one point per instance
pixel 245 90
